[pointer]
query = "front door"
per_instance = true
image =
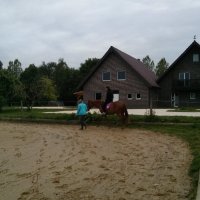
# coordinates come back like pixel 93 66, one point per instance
pixel 115 95
pixel 175 100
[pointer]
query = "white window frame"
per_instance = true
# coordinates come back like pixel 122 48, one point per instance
pixel 195 57
pixel 121 79
pixel 185 77
pixel 130 97
pixel 103 76
pixel 137 95
pixel 193 95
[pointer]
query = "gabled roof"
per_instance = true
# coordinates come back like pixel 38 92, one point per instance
pixel 146 74
pixel 194 44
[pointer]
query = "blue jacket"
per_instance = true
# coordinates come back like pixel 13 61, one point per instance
pixel 82 109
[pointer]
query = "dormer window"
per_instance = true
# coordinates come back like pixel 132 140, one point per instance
pixel 121 75
pixel 195 57
pixel 106 76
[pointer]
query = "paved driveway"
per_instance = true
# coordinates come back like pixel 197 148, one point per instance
pixel 158 112
pixel 163 112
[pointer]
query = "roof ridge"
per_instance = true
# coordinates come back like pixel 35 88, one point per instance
pixel 179 57
pixel 146 74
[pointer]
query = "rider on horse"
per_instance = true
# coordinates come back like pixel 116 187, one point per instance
pixel 109 98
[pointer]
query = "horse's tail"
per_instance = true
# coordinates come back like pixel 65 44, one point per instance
pixel 125 112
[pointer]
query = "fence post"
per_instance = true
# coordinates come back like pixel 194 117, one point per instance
pixel 150 103
pixel 21 103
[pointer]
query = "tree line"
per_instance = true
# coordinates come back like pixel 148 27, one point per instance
pixel 39 85
pixel 50 82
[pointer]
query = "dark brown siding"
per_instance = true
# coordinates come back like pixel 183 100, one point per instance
pixel 132 85
pixel 167 84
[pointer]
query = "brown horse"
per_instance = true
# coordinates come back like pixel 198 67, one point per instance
pixel 95 104
pixel 117 107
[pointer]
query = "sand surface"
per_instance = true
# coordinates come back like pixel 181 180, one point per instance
pixel 39 161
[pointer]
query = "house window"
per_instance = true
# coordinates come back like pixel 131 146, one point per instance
pixel 121 75
pixel 129 96
pixel 195 57
pixel 184 78
pixel 98 96
pixel 106 76
pixel 192 95
pixel 138 96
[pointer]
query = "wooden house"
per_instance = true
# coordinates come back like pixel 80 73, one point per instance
pixel 131 81
pixel 180 84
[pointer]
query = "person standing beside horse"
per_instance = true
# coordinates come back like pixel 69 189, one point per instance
pixel 82 112
pixel 109 98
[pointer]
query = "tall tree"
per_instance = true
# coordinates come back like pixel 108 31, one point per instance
pixel 15 68
pixel 46 90
pixel 87 66
pixel 47 69
pixel 11 88
pixel 60 77
pixel 1 65
pixel 70 85
pixel 30 78
pixel 161 67
pixel 148 62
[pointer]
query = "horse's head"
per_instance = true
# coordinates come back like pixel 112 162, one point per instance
pixel 94 104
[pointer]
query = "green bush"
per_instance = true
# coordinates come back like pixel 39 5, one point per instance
pixel 2 102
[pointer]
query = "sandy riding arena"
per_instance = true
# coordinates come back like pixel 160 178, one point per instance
pixel 40 161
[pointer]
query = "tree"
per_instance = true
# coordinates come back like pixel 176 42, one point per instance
pixel 30 78
pixel 47 69
pixel 148 62
pixel 2 102
pixel 161 67
pixel 15 68
pixel 3 88
pixel 11 89
pixel 60 78
pixel 86 67
pixel 1 65
pixel 70 85
pixel 46 90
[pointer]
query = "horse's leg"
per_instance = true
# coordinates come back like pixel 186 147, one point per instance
pixel 123 116
pixel 125 112
pixel 120 116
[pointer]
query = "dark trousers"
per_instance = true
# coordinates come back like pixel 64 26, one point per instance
pixel 82 121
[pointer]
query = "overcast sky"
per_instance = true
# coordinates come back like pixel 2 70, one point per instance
pixel 45 30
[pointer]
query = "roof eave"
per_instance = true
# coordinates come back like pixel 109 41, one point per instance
pixel 81 85
pixel 177 60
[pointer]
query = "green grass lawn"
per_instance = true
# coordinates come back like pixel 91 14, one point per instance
pixel 187 128
pixel 35 114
